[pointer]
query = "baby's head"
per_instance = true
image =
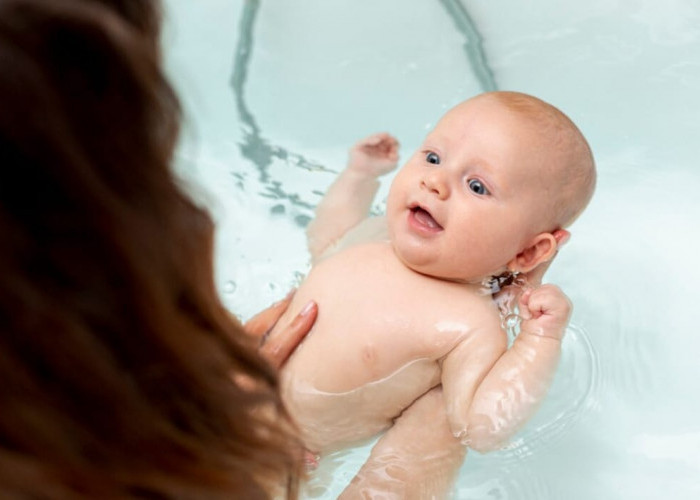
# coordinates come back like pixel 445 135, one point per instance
pixel 497 176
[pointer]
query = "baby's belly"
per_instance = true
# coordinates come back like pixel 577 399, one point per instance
pixel 333 420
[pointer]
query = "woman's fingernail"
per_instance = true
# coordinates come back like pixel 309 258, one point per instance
pixel 307 308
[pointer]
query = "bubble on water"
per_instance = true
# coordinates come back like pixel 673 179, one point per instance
pixel 506 288
pixel 570 397
pixel 230 287
pixel 510 322
pixel 571 393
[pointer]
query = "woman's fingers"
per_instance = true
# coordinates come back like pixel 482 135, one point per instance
pixel 277 349
pixel 263 322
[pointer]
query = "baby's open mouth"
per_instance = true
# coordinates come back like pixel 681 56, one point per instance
pixel 424 218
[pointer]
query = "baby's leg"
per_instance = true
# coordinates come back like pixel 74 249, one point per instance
pixel 417 458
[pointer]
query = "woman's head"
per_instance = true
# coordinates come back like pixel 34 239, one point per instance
pixel 143 15
pixel 115 353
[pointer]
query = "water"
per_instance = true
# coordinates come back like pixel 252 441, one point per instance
pixel 263 142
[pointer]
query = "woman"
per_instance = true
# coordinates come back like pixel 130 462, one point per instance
pixel 117 358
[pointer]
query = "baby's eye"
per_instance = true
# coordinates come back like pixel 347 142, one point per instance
pixel 477 186
pixel 433 158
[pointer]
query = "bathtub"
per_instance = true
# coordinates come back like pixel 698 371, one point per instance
pixel 275 91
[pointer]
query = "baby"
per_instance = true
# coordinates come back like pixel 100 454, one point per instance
pixel 405 300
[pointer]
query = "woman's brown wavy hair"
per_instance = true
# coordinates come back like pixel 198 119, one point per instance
pixel 116 354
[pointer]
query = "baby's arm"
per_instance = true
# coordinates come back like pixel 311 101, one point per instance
pixel 349 198
pixel 513 388
pixel 417 458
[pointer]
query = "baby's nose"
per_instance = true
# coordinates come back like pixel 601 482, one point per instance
pixel 436 184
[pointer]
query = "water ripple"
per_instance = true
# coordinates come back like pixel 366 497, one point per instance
pixel 572 394
pixel 505 485
pixel 473 46
pixel 254 146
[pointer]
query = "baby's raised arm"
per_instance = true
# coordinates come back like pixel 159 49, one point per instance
pixel 349 198
pixel 513 388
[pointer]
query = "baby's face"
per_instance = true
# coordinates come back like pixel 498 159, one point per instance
pixel 469 200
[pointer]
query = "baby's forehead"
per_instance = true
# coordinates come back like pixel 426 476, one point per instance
pixel 492 123
pixel 557 153
pixel 523 108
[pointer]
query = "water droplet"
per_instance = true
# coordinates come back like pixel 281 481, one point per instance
pixel 511 324
pixel 230 287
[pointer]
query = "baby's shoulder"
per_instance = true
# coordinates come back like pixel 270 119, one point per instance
pixel 369 230
pixel 460 294
pixel 457 316
pixel 459 301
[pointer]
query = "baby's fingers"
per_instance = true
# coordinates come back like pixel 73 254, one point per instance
pixel 547 304
pixel 524 303
pixel 379 142
pixel 545 312
pixel 374 139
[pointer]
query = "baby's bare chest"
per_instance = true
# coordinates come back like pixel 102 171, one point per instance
pixel 377 316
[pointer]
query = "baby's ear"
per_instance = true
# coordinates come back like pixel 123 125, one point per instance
pixel 539 249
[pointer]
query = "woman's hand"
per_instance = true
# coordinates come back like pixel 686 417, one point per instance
pixel 278 349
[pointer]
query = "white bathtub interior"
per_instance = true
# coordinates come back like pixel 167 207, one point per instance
pixel 275 91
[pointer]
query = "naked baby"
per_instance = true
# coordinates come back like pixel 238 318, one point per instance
pixel 406 323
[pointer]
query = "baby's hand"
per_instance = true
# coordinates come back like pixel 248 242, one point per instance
pixel 374 155
pixel 545 311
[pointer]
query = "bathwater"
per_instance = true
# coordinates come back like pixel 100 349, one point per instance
pixel 275 91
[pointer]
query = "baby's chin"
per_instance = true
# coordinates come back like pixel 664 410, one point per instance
pixel 423 261
pixel 416 265
pixel 421 264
